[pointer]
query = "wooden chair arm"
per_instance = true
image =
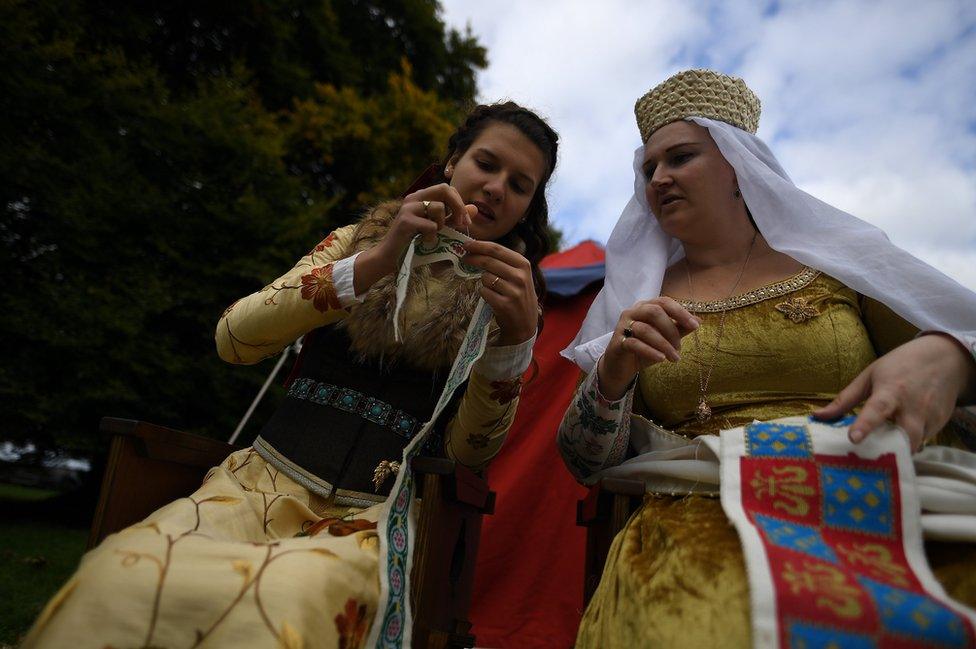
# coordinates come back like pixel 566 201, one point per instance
pixel 460 483
pixel 168 444
pixel 603 512
pixel 599 500
pixel 453 500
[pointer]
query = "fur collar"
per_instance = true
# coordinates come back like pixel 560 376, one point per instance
pixel 439 319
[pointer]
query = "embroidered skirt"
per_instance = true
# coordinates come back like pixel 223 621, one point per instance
pixel 251 559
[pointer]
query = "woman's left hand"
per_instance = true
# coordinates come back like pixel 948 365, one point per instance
pixel 507 288
pixel 916 386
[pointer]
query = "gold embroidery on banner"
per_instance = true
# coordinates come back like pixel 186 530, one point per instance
pixel 827 584
pixel 877 559
pixel 797 310
pixel 785 486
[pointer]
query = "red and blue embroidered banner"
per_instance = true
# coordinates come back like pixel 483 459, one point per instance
pixel 833 541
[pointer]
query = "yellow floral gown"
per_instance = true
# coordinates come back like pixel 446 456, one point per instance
pixel 675 575
pixel 252 558
pixel 225 567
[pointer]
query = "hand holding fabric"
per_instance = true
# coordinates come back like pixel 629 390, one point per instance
pixel 507 288
pixel 916 385
pixel 423 212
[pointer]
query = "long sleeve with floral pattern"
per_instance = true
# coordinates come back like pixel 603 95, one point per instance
pixel 319 291
pixel 595 431
pixel 488 407
pixel 263 323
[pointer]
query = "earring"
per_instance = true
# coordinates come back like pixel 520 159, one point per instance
pixel 737 193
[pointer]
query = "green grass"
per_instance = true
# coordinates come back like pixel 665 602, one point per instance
pixel 24 494
pixel 36 558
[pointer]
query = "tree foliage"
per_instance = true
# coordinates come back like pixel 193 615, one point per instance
pixel 160 160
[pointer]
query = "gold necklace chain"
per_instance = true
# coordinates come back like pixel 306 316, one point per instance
pixel 704 412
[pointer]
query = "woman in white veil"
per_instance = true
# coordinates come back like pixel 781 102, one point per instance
pixel 733 296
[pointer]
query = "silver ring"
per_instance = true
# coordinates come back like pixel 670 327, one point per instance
pixel 426 206
pixel 495 281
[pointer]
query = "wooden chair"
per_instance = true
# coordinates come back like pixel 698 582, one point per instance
pixel 604 512
pixel 149 466
pixel 609 504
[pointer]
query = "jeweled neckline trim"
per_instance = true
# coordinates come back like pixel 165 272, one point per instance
pixel 776 289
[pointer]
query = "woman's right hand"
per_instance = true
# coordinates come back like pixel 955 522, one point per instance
pixel 443 206
pixel 657 325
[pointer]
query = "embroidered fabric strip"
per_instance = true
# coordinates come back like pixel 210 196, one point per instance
pixel 449 247
pixel 392 624
pixel 832 539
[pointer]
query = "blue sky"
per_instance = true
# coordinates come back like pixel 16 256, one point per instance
pixel 869 105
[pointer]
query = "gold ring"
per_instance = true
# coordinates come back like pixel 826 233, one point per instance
pixel 426 206
pixel 492 285
pixel 628 331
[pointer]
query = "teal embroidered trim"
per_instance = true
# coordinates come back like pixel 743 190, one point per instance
pixel 392 623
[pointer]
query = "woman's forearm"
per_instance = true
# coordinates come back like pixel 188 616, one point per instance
pixel 371 266
pixel 595 431
pixel 488 407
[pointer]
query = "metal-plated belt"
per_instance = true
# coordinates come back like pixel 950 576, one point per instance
pixel 367 407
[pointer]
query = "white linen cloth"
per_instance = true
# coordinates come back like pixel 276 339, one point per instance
pixel 945 478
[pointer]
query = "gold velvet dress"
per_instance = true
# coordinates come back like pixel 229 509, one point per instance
pixel 675 575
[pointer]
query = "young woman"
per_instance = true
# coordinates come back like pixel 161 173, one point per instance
pixel 279 546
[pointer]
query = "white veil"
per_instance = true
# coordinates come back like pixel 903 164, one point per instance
pixel 793 222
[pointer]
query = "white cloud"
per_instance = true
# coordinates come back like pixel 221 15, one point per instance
pixel 870 106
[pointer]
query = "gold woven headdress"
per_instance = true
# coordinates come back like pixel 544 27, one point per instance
pixel 701 93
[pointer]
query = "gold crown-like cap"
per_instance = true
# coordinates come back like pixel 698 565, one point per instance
pixel 698 93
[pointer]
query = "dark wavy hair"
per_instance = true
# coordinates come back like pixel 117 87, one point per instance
pixel 530 236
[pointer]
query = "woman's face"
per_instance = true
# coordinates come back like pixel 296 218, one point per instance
pixel 499 174
pixel 689 184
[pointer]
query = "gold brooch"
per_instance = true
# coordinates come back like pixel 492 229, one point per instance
pixel 384 470
pixel 797 310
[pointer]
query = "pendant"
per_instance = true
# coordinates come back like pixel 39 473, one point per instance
pixel 703 413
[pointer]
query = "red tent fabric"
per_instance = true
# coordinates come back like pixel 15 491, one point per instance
pixel 582 254
pixel 528 590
